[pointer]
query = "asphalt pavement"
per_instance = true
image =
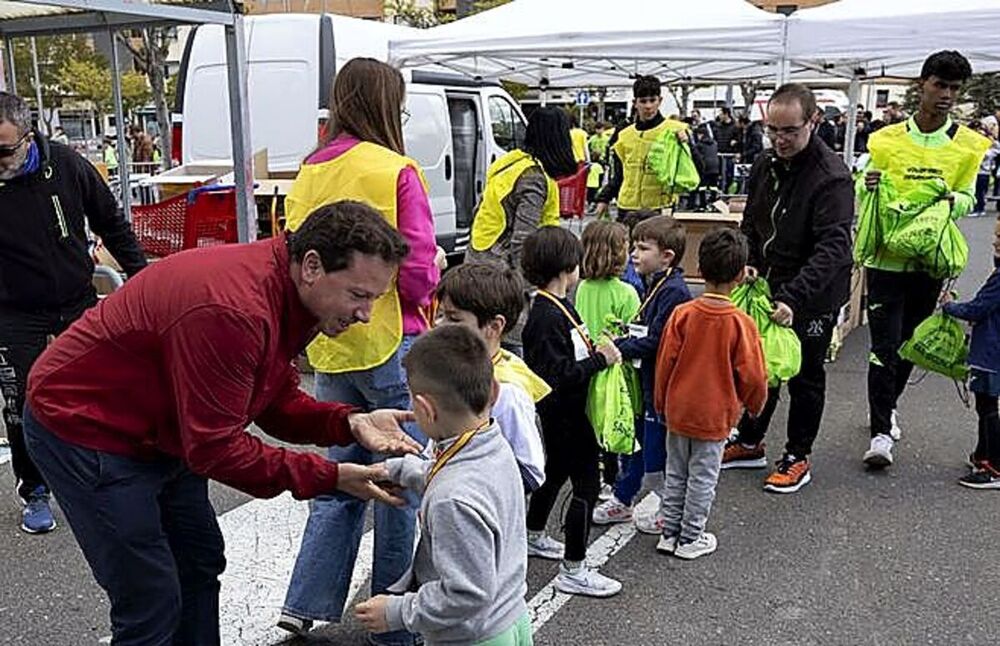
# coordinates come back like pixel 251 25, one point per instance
pixel 899 557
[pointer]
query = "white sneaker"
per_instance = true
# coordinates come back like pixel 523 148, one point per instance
pixel 879 454
pixel 586 582
pixel 295 625
pixel 701 546
pixel 546 547
pixel 896 433
pixel 607 491
pixel 612 511
pixel 650 523
pixel 667 544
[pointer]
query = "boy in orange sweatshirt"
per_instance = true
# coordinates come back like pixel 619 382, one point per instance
pixel 709 367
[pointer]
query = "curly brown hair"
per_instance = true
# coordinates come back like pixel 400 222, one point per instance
pixel 605 249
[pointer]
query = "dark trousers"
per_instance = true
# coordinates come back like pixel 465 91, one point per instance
pixel 573 457
pixel 988 442
pixel 149 534
pixel 897 303
pixel 23 337
pixel 806 391
pixel 982 186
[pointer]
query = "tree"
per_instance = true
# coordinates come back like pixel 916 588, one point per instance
pixel 408 13
pixel 88 81
pixel 149 48
pixel 749 91
pixel 54 52
pixel 983 91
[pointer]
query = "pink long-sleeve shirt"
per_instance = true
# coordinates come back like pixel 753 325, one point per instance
pixel 418 275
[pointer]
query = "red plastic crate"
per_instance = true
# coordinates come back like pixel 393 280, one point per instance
pixel 573 193
pixel 160 227
pixel 203 217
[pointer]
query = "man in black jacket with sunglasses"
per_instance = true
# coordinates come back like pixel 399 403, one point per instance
pixel 48 196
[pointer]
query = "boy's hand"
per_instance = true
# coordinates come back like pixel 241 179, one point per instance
pixel 872 179
pixel 602 208
pixel 782 314
pixel 682 136
pixel 610 352
pixel 751 274
pixel 380 431
pixel 363 482
pixel 371 614
pixel 947 296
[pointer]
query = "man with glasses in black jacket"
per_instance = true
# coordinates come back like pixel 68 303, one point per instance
pixel 48 196
pixel 798 222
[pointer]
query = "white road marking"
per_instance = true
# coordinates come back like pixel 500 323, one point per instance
pixel 262 541
pixel 544 605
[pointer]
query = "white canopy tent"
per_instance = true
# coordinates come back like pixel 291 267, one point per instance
pixel 573 43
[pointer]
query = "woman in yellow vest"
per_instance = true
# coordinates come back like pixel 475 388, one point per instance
pixel 362 159
pixel 521 194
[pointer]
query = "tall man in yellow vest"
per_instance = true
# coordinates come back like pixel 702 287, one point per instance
pixel 632 181
pixel 926 146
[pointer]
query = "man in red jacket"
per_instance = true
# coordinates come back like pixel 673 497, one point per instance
pixel 146 397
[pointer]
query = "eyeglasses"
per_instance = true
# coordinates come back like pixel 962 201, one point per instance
pixel 784 133
pixel 404 116
pixel 11 150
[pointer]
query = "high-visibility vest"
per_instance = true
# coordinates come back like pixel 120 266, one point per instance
pixel 366 173
pixel 491 220
pixel 640 188
pixel 578 137
pixel 907 163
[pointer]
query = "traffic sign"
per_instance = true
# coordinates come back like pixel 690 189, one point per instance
pixel 583 97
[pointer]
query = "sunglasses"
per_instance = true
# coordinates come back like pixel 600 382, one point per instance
pixel 11 150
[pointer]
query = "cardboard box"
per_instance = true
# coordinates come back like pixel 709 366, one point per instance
pixel 696 225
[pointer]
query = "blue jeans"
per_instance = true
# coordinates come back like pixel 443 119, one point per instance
pixel 322 574
pixel 652 458
pixel 149 534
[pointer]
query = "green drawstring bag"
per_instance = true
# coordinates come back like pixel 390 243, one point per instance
pixel 938 344
pixel 673 164
pixel 782 348
pixel 933 240
pixel 868 238
pixel 611 411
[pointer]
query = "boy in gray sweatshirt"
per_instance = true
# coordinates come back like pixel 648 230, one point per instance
pixel 467 581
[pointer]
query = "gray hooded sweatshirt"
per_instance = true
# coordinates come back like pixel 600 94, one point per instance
pixel 467 580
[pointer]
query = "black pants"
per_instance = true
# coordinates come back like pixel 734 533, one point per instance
pixel 149 534
pixel 988 442
pixel 897 303
pixel 574 457
pixel 807 390
pixel 23 337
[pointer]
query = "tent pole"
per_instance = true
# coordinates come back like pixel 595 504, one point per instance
pixel 8 43
pixel 239 118
pixel 38 86
pixel 853 94
pixel 123 162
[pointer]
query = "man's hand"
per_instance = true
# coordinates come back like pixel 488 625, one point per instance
pixel 380 431
pixel 371 614
pixel 441 259
pixel 612 354
pixel 362 482
pixel 782 314
pixel 682 136
pixel 872 179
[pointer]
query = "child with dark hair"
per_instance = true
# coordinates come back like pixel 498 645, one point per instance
pixel 488 298
pixel 709 367
pixel 658 246
pixel 557 347
pixel 467 581
pixel 983 311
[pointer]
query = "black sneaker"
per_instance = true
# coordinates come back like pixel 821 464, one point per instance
pixel 985 477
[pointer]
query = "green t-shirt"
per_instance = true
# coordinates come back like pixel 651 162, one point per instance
pixel 597 299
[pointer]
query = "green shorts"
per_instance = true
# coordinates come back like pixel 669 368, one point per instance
pixel 517 635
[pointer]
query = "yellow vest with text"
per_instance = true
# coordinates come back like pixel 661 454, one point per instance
pixel 491 219
pixel 908 164
pixel 579 138
pixel 640 189
pixel 366 173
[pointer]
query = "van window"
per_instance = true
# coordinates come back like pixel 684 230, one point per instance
pixel 508 129
pixel 422 131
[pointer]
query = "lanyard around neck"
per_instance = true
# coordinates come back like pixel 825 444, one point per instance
pixel 450 452
pixel 569 316
pixel 652 294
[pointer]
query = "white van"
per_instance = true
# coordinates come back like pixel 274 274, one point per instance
pixel 456 127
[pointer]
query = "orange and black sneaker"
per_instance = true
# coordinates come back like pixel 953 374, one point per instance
pixel 741 456
pixel 790 475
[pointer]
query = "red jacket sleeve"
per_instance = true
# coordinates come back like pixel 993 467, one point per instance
pixel 213 356
pixel 750 369
pixel 295 417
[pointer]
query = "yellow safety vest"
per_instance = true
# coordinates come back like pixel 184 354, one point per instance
pixel 579 138
pixel 640 188
pixel 508 368
pixel 366 173
pixel 491 222
pixel 908 164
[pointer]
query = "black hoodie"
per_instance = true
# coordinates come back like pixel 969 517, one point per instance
pixel 44 258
